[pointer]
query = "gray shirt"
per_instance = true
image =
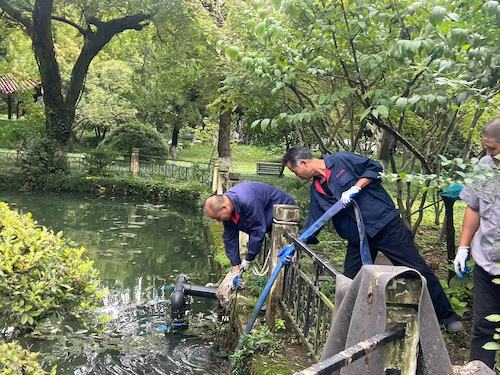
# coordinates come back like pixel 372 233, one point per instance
pixel 484 197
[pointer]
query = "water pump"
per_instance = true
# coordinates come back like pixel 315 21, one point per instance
pixel 181 299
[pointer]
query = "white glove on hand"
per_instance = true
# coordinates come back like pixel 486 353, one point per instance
pixel 461 259
pixel 245 265
pixel 347 195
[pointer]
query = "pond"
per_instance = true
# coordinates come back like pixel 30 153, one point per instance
pixel 137 248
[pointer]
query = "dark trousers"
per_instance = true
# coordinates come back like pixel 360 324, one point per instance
pixel 486 301
pixel 396 243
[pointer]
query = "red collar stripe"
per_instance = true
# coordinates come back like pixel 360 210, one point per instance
pixel 317 183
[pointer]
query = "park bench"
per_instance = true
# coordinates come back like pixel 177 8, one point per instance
pixel 270 168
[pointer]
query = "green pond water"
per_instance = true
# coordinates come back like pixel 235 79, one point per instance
pixel 137 247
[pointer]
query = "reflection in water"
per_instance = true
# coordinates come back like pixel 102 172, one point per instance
pixel 137 248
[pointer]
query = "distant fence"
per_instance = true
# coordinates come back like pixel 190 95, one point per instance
pixel 147 166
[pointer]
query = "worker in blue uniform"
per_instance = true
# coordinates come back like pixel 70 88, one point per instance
pixel 344 175
pixel 246 207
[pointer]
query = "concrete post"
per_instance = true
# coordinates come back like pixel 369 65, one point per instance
pixel 221 181
pixel 285 218
pixel 134 162
pixel 215 177
pixel 403 295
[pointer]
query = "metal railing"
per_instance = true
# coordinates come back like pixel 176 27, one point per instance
pixel 353 353
pixel 184 170
pixel 176 169
pixel 307 298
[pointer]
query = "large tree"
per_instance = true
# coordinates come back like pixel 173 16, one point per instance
pixel 96 26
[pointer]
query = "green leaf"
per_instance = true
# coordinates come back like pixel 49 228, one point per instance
pixel 383 110
pixel 260 30
pixel 437 15
pixel 276 4
pixel 255 123
pixel 401 104
pixel 459 37
pixel 491 346
pixel 232 52
pixel 414 99
pixel 264 123
pixel 496 281
pixel 24 318
pixel 219 46
pixel 461 98
pixel 493 318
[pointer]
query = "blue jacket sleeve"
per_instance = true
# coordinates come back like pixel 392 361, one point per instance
pixel 363 167
pixel 232 243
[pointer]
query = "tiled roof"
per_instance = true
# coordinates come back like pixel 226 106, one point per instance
pixel 10 84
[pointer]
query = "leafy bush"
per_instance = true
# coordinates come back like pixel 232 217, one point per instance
pixel 40 274
pixel 137 135
pixel 459 293
pixel 42 158
pixel 261 341
pixel 14 360
pixel 97 161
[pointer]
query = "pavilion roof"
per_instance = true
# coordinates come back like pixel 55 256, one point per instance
pixel 10 84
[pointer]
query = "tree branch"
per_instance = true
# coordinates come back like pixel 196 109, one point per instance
pixel 93 43
pixel 404 141
pixel 71 23
pixel 17 15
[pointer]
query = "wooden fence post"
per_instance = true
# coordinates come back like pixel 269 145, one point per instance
pixel 134 162
pixel 285 218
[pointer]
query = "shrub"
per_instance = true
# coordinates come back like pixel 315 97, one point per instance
pixel 137 135
pixel 261 341
pixel 97 161
pixel 154 190
pixel 40 274
pixel 14 360
pixel 42 158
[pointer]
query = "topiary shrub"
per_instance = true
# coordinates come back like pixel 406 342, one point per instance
pixel 40 274
pixel 14 360
pixel 137 135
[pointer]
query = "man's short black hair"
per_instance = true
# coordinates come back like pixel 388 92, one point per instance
pixel 295 154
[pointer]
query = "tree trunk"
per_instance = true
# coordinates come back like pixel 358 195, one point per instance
pixel 386 147
pixel 9 107
pixel 60 110
pixel 224 143
pixel 175 141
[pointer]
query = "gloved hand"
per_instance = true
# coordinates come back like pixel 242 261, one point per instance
pixel 245 265
pixel 460 261
pixel 238 282
pixel 347 195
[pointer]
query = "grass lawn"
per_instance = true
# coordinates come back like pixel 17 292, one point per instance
pixel 245 157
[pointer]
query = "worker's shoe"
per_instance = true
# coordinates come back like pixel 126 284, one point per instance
pixel 454 326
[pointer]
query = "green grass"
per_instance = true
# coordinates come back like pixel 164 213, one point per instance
pixel 244 157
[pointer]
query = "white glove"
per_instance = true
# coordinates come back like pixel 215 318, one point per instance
pixel 347 195
pixel 461 259
pixel 245 265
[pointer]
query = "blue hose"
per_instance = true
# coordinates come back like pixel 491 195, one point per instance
pixel 288 251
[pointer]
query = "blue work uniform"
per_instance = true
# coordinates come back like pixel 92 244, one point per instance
pixel 385 230
pixel 253 214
